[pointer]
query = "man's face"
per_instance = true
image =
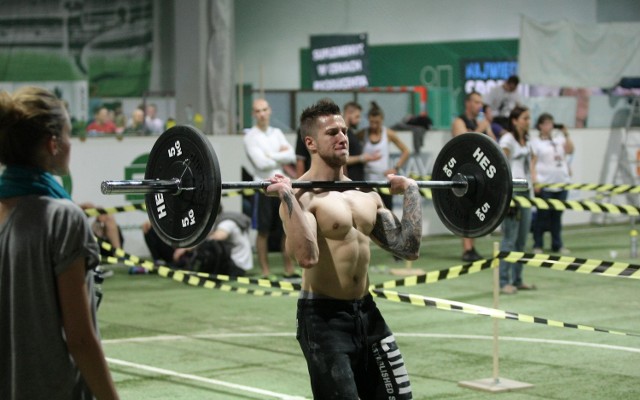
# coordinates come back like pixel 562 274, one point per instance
pixel 474 105
pixel 352 117
pixel 261 112
pixel 331 142
pixel 510 87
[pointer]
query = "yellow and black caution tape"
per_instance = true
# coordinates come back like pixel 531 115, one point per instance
pixel 94 212
pixel 574 264
pixel 200 279
pixel 435 276
pixel 597 187
pixel 573 205
pixel 558 263
pixel 449 305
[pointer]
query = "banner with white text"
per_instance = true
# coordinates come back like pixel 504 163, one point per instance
pixel 339 62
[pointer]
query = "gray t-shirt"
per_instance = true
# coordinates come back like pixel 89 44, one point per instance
pixel 39 240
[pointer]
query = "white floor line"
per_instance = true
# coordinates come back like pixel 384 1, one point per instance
pixel 416 335
pixel 197 378
pixel 521 339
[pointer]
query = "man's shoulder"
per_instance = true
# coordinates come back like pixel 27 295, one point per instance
pixel 272 130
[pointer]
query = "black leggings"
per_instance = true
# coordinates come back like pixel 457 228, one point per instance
pixel 350 351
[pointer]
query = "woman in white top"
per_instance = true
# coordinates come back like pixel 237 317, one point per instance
pixel 550 166
pixel 516 225
pixel 376 138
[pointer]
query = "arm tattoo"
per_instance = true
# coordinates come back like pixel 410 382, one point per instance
pixel 401 237
pixel 289 202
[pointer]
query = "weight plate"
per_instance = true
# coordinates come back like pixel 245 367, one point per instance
pixel 483 207
pixel 184 219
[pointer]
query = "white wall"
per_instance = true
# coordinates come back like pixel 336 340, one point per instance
pixel 270 33
pixel 99 159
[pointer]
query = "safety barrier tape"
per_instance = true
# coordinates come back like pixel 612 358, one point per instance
pixel 558 263
pixel 435 276
pixel 573 205
pixel 597 187
pixel 94 212
pixel 200 279
pixel 450 305
pixel 574 264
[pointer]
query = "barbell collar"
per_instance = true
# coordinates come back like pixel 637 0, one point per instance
pixel 142 186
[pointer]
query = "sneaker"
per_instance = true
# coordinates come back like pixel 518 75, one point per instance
pixel 537 250
pixel 563 250
pixel 471 255
pixel 293 278
pixel 508 289
pixel 524 286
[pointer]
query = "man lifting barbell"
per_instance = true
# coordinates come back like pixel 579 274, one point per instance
pixel 350 350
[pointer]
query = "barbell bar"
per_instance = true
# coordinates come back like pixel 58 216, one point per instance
pixel 459 184
pixel 182 185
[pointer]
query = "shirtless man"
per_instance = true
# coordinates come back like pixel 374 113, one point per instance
pixel 350 350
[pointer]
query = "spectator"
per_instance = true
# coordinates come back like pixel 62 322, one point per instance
pixel 227 249
pixel 468 122
pixel 119 118
pixel 376 148
pixel 504 98
pixel 550 165
pixel 496 128
pixel 352 112
pixel 268 150
pixel 350 350
pixel 303 159
pixel 105 227
pixel 136 124
pixel 154 124
pixel 517 223
pixel 49 341
pixel 102 123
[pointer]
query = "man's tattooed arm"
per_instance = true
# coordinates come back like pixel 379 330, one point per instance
pixel 401 237
pixel 300 227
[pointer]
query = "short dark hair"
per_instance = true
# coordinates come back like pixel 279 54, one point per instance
pixel 542 119
pixel 351 104
pixel 324 107
pixel 468 95
pixel 514 80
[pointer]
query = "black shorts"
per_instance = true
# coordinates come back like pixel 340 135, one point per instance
pixel 350 351
pixel 266 214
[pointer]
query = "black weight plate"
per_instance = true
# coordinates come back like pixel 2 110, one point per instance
pixel 184 219
pixel 487 200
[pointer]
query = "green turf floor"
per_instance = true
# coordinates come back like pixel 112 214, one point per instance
pixel 168 340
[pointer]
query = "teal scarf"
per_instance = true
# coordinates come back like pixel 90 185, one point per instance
pixel 22 181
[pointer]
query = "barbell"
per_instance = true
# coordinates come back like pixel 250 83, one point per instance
pixel 182 185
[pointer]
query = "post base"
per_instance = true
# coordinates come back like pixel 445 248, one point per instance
pixel 495 385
